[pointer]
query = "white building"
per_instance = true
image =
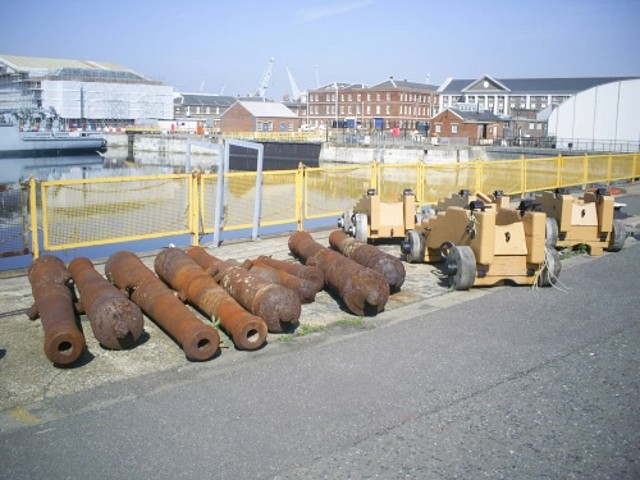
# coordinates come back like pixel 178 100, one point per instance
pixel 502 96
pixel 80 91
pixel 602 118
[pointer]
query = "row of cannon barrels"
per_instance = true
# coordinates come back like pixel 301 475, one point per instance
pixel 248 299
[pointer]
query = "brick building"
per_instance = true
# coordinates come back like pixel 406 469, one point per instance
pixel 248 116
pixel 467 125
pixel 390 104
pixel 205 108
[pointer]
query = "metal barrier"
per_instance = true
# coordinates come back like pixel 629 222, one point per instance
pixel 91 212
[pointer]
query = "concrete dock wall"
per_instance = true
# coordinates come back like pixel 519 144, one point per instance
pixel 171 148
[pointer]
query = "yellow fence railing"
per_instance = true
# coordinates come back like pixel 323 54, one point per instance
pixel 91 212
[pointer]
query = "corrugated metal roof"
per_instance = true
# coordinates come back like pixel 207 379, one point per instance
pixel 203 99
pixel 21 63
pixel 268 109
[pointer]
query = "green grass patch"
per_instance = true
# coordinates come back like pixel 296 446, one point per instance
pixel 357 322
pixel 301 331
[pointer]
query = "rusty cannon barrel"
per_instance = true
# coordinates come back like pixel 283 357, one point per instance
pixel 247 331
pixel 370 256
pixel 275 304
pixel 198 340
pixel 305 290
pixel 63 340
pixel 306 272
pixel 364 291
pixel 115 320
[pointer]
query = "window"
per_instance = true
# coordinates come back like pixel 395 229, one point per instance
pixel 349 97
pixel 388 97
pixel 358 97
pixel 438 127
pixel 349 111
pixel 377 97
pixel 377 109
pixel 388 111
pixel 368 109
pixel 454 128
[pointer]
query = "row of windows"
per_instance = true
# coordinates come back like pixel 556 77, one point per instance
pixel 349 110
pixel 348 97
pixel 268 127
pixel 197 110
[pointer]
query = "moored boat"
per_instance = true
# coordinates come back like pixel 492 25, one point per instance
pixel 17 143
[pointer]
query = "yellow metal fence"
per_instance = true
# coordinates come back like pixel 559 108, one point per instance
pixel 82 213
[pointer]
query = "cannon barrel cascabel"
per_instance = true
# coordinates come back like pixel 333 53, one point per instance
pixel 115 320
pixel 364 291
pixel 390 267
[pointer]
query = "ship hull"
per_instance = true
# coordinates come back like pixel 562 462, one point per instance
pixel 16 144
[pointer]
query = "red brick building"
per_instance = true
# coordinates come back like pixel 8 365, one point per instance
pixel 466 121
pixel 390 104
pixel 250 116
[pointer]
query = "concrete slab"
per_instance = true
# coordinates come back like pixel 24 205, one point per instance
pixel 27 377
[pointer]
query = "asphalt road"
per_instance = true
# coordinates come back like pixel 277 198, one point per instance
pixel 518 383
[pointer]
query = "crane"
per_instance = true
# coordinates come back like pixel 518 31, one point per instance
pixel 295 92
pixel 264 81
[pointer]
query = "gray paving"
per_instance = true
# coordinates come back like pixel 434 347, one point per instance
pixel 513 383
pixel 28 379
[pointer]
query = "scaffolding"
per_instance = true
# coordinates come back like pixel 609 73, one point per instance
pixel 82 92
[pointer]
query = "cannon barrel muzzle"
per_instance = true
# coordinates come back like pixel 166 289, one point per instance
pixel 63 340
pixel 115 320
pixel 278 306
pixel 198 340
pixel 247 331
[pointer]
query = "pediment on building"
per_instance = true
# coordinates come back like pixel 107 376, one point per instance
pixel 486 83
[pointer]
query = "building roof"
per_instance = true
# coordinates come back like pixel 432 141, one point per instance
pixel 267 109
pixel 468 116
pixel 67 68
pixel 204 99
pixel 404 85
pixel 514 86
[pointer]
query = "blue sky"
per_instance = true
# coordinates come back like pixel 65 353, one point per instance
pixel 226 44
